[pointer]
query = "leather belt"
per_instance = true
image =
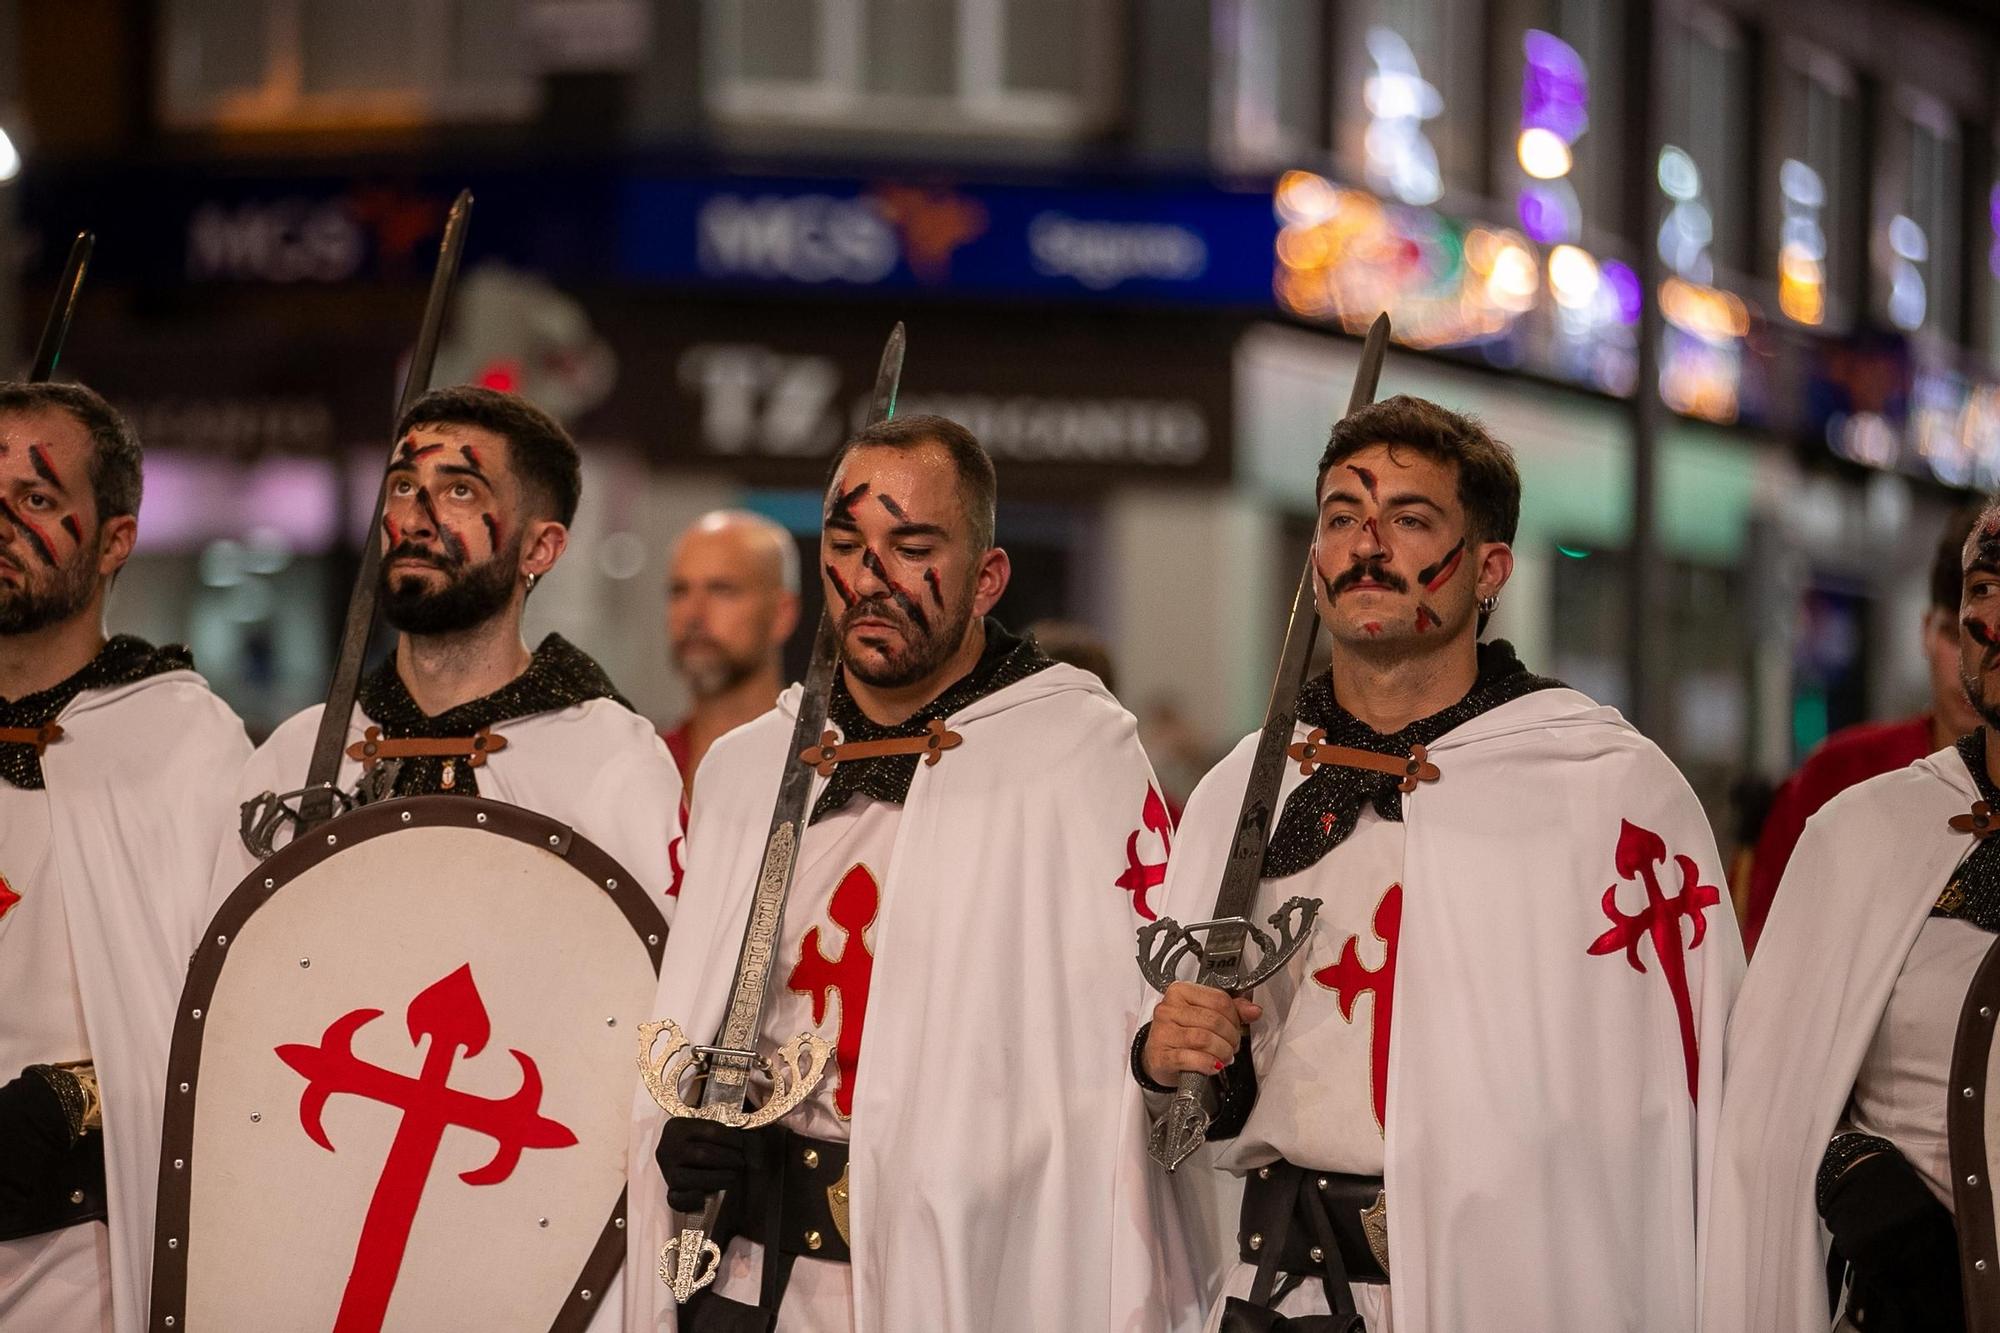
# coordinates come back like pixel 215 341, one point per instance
pixel 72 1195
pixel 1353 1206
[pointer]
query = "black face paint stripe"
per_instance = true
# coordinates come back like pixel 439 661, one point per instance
pixel 492 531
pixel 895 510
pixel 840 585
pixel 28 530
pixel 38 459
pixel 936 585
pixel 1433 577
pixel 842 508
pixel 873 564
pixel 73 528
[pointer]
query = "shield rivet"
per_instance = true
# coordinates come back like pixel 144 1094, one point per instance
pixel 179 1163
pixel 1972 1181
pixel 173 1242
pixel 813 1241
pixel 256 1116
pixel 555 840
pixel 1316 1254
pixel 480 819
pixel 406 816
pixel 197 1014
pixel 810 1157
pixel 170 1321
pixel 1263 1173
pixel 610 883
pixel 1963 1092
pixel 270 883
pixel 76 1196
pixel 184 1087
pixel 1979 1264
pixel 1256 1240
pixel 652 939
pixel 618 1222
pixel 541 1221
pixel 1322 1182
pixel 611 1022
pixel 305 962
pixel 1986 1011
pixel 221 940
pixel 585 1295
pixel 333 840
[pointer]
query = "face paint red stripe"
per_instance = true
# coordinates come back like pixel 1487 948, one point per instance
pixel 411 452
pixel 1426 618
pixel 842 507
pixel 1436 576
pixel 840 587
pixel 390 530
pixel 472 458
pixel 936 585
pixel 39 458
pixel 873 564
pixel 36 537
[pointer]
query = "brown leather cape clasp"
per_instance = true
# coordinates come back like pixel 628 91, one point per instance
pixel 827 755
pixel 1313 751
pixel 40 737
pixel 372 748
pixel 1980 821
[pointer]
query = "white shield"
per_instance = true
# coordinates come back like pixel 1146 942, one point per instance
pixel 402 1080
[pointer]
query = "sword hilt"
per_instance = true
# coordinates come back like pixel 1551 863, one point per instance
pixel 1185 1124
pixel 691 1260
pixel 1165 944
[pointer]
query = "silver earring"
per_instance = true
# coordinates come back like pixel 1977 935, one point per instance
pixel 531 583
pixel 1486 604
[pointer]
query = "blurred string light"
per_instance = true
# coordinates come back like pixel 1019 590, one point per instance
pixel 1555 111
pixel 10 159
pixel 1993 227
pixel 1402 161
pixel 1802 244
pixel 1909 250
pixel 1701 355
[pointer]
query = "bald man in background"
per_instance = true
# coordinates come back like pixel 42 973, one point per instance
pixel 732 601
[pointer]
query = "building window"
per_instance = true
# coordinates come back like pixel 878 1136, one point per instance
pixel 1271 82
pixel 1559 146
pixel 333 64
pixel 1707 105
pixel 1820 191
pixel 1917 233
pixel 1042 67
pixel 1409 116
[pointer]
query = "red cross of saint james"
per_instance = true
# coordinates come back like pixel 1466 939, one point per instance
pixel 7 896
pixel 855 901
pixel 1641 852
pixel 1348 979
pixel 1142 876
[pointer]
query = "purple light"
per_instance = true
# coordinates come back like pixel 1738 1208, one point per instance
pixel 1993 223
pixel 1624 285
pixel 1548 211
pixel 1555 87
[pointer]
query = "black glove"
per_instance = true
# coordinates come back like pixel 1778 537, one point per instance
pixel 34 1140
pixel 1901 1244
pixel 698 1158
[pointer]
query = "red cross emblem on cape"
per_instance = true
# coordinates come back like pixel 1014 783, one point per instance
pixel 7 897
pixel 1348 979
pixel 855 901
pixel 1641 853
pixel 452 1015
pixel 676 849
pixel 1142 876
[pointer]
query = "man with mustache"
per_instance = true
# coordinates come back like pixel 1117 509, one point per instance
pixel 115 764
pixel 1840 1051
pixel 1470 1099
pixel 985 1155
pixel 732 602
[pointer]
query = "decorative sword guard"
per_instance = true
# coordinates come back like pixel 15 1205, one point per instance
pixel 270 813
pixel 690 1260
pixel 1165 944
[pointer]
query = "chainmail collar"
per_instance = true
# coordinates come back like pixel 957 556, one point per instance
pixel 559 675
pixel 1008 659
pixel 1323 810
pixel 1973 894
pixel 122 660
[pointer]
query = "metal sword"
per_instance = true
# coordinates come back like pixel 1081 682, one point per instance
pixel 318 800
pixel 1218 943
pixel 689 1261
pixel 49 350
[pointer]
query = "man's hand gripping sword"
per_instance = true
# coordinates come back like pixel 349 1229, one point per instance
pixel 1164 945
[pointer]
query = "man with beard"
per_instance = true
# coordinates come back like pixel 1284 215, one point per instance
pixel 115 764
pixel 977 1161
pixel 1840 1049
pixel 1470 1099
pixel 732 602
pixel 482 489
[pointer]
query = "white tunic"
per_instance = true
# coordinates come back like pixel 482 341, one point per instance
pixel 109 863
pixel 846 855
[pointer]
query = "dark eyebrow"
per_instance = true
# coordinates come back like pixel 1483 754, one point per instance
pixel 919 530
pixel 1340 497
pixel 1982 567
pixel 462 470
pixel 840 518
pixel 1407 498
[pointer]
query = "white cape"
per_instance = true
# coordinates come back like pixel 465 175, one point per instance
pixel 138 785
pixel 596 766
pixel 999 1176
pixel 1540 1156
pixel 1854 896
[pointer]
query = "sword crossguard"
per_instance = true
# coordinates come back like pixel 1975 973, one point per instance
pixel 267 815
pixel 689 1262
pixel 1165 944
pixel 795 1069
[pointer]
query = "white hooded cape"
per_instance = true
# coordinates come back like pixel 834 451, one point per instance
pixel 596 766
pixel 1540 1154
pixel 1854 896
pixel 999 1177
pixel 138 784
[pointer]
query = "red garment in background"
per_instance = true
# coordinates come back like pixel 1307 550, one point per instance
pixel 679 742
pixel 1849 756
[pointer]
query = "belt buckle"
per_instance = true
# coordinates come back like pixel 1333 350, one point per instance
pixel 836 1204
pixel 1375 1227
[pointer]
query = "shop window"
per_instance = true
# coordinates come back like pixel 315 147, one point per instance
pixel 1820 194
pixel 333 64
pixel 1917 233
pixel 1409 114
pixel 1270 81
pixel 1013 66
pixel 1560 102
pixel 1708 109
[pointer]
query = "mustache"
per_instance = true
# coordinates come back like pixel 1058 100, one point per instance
pixel 1375 569
pixel 443 560
pixel 887 607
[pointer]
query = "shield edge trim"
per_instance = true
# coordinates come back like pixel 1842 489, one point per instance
pixel 175 1190
pixel 1965 1133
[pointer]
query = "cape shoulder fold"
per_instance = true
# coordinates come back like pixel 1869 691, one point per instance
pixel 1855 893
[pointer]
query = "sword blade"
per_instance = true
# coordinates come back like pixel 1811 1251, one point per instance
pixel 56 331
pixel 1187 1118
pixel 316 806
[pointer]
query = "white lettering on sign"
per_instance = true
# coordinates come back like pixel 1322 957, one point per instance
pixel 1100 255
pixel 288 240
pixel 796 238
pixel 1027 428
pixel 758 401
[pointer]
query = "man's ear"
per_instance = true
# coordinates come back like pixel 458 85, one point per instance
pixel 1496 566
pixel 995 569
pixel 543 545
pixel 115 540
